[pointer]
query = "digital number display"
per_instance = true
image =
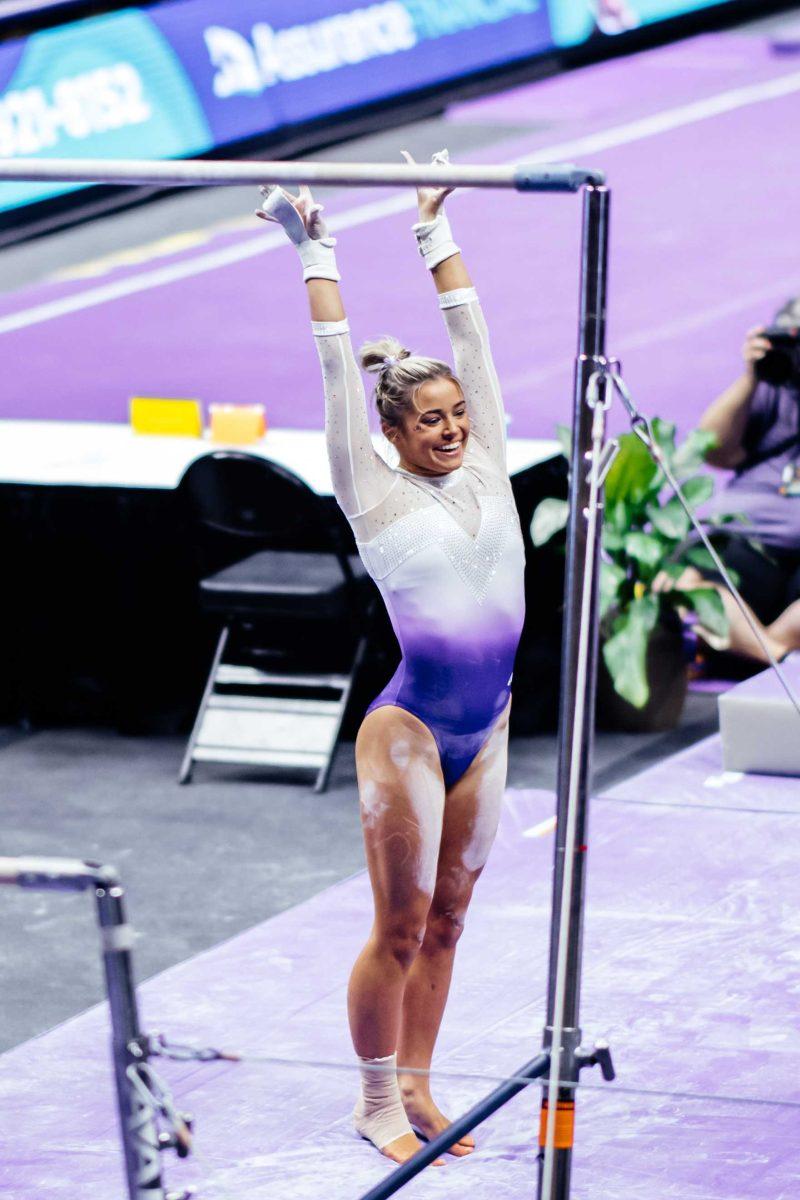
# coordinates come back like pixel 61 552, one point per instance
pixel 79 106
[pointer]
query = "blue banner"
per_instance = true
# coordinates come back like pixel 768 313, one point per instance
pixel 255 75
pixel 575 21
pixel 109 87
pixel 184 77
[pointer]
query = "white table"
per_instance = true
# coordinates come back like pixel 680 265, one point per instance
pixel 98 454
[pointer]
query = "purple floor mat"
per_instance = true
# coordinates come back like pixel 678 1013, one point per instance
pixel 629 88
pixel 710 686
pixel 697 777
pixel 690 970
pixel 694 263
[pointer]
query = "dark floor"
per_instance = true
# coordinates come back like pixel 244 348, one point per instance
pixel 200 863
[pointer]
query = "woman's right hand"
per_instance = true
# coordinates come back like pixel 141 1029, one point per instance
pixel 755 347
pixel 300 218
pixel 304 205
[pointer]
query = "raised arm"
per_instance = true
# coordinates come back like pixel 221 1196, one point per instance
pixel 361 479
pixel 463 317
pixel 727 416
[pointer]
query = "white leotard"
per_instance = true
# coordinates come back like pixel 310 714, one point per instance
pixel 445 552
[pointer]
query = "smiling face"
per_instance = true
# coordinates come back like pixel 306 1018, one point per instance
pixel 433 435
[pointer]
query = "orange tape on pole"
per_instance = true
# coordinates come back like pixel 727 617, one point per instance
pixel 565 1125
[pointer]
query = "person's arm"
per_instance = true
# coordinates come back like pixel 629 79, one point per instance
pixel 728 415
pixel 463 317
pixel 361 479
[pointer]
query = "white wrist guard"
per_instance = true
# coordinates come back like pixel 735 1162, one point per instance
pixel 316 253
pixel 435 240
pixel 318 259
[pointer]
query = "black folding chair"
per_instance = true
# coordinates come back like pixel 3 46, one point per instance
pixel 291 600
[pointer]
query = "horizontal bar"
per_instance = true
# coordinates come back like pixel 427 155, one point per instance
pixel 465 1124
pixel 560 177
pixel 55 874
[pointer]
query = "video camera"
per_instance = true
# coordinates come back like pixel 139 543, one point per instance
pixel 780 365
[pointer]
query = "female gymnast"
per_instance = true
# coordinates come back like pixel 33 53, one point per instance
pixel 439 534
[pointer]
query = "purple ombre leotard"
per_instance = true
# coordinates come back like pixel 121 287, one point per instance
pixel 446 552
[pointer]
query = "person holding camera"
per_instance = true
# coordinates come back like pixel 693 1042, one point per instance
pixel 757 425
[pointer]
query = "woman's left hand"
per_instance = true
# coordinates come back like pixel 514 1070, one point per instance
pixel 431 199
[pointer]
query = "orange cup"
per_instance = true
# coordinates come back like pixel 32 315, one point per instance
pixel 237 424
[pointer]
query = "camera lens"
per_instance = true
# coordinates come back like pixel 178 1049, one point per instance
pixel 780 366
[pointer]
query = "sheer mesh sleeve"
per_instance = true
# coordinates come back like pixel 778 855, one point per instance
pixel 361 479
pixel 469 338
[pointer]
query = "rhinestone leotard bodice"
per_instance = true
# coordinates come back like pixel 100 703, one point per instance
pixel 474 559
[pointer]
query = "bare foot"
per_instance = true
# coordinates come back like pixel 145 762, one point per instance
pixel 404 1148
pixel 427 1118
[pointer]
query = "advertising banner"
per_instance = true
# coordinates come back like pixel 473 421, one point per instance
pixel 307 60
pixel 109 87
pixel 575 21
pixel 184 77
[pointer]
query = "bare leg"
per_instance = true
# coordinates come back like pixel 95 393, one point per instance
pixel 785 630
pixel 402 802
pixel 471 813
pixel 742 640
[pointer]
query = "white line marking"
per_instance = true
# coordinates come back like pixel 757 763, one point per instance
pixel 194 266
pixel 694 321
pixel 620 135
pixel 674 118
pixel 540 830
pixel 723 779
pixel 658 333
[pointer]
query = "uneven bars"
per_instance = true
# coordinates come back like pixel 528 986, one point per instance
pixel 521 177
pixel 524 178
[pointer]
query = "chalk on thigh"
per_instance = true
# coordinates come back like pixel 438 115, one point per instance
pixel 402 804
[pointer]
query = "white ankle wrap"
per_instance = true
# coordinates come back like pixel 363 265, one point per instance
pixel 316 254
pixel 379 1115
pixel 435 240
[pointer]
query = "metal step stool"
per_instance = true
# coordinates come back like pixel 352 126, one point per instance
pixel 270 719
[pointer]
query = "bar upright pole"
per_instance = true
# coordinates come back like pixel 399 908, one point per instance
pixel 141 1141
pixel 562 1035
pixel 140 1138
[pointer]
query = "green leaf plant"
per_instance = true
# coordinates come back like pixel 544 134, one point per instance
pixel 645 534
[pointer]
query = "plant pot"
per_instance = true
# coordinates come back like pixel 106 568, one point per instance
pixel 668 677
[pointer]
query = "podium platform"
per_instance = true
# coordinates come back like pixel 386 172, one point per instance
pixel 760 726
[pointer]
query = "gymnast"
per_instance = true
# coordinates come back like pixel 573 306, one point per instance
pixel 439 534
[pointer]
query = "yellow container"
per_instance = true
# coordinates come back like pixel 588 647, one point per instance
pixel 173 418
pixel 237 424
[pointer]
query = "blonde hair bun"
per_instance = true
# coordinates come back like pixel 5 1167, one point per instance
pixel 383 353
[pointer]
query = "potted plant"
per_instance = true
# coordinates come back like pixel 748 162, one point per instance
pixel 642 678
